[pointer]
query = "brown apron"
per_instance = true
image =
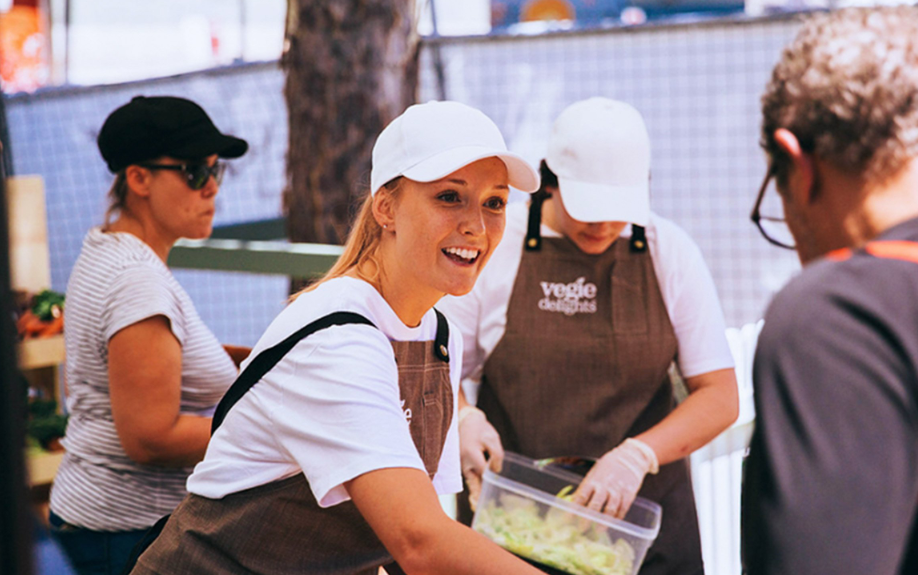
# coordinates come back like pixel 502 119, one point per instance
pixel 279 528
pixel 583 365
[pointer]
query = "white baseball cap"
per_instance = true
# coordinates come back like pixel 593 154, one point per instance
pixel 430 141
pixel 600 151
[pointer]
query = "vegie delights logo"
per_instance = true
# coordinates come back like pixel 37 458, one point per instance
pixel 571 298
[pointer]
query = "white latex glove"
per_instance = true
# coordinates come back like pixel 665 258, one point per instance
pixel 479 447
pixel 614 481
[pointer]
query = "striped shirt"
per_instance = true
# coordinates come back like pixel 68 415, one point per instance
pixel 118 281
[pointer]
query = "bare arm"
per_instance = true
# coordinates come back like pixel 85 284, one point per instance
pixel 479 447
pixel 614 481
pixel 711 407
pixel 401 506
pixel 145 378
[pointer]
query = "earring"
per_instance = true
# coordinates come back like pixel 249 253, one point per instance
pixel 385 226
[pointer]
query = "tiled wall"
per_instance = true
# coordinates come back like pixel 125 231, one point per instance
pixel 697 86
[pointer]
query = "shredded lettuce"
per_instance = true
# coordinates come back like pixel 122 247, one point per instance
pixel 566 493
pixel 554 538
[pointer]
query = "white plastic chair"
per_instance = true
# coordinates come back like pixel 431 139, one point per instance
pixel 717 467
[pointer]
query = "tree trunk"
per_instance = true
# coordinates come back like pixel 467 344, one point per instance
pixel 351 67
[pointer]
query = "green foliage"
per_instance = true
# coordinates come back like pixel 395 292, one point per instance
pixel 48 304
pixel 45 423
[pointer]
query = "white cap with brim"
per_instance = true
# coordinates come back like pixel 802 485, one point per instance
pixel 587 202
pixel 600 152
pixel 431 141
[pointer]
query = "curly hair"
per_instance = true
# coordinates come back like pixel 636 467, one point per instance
pixel 847 88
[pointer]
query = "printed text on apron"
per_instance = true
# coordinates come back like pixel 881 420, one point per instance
pixel 583 365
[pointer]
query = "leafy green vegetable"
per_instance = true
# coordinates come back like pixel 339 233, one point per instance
pixel 566 493
pixel 556 538
pixel 45 424
pixel 48 304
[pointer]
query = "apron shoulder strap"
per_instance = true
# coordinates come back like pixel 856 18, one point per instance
pixel 267 359
pixel 533 242
pixel 534 226
pixel 441 343
pixel 638 238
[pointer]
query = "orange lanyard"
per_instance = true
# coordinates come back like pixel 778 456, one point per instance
pixel 889 249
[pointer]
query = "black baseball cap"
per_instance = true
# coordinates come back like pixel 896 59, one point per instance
pixel 150 127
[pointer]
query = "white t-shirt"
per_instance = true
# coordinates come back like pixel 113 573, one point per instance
pixel 685 283
pixel 117 281
pixel 331 407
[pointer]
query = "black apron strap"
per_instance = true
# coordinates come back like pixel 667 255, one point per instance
pixel 534 227
pixel 394 569
pixel 441 343
pixel 638 238
pixel 268 358
pixel 141 546
pixel 533 241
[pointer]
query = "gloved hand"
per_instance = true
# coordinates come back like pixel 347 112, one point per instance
pixel 613 482
pixel 479 446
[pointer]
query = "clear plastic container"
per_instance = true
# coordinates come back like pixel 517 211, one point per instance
pixel 519 510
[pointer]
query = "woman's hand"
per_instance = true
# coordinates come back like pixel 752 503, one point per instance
pixel 479 446
pixel 614 481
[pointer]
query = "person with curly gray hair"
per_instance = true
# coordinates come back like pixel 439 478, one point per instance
pixel 831 481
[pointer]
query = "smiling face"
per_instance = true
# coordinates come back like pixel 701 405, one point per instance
pixel 438 235
pixel 590 237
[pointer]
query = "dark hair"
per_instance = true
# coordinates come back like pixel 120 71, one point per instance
pixel 117 196
pixel 549 178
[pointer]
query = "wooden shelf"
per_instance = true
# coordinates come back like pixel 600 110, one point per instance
pixel 30 270
pixel 41 352
pixel 39 359
pixel 43 466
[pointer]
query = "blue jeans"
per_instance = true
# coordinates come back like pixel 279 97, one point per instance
pixel 94 552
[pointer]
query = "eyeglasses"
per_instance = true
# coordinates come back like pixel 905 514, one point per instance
pixel 773 228
pixel 196 175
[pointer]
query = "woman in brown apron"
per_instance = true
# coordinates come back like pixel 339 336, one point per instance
pixel 573 355
pixel 330 449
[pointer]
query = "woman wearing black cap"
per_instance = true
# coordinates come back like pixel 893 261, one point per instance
pixel 143 371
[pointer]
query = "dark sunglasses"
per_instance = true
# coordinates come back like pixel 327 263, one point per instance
pixel 773 229
pixel 196 175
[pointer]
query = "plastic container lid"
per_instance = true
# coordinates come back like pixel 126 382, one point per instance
pixel 642 520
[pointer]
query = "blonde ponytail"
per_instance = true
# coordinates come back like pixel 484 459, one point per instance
pixel 361 246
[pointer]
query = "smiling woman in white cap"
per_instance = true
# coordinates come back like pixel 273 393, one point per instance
pixel 143 371
pixel 330 449
pixel 570 332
